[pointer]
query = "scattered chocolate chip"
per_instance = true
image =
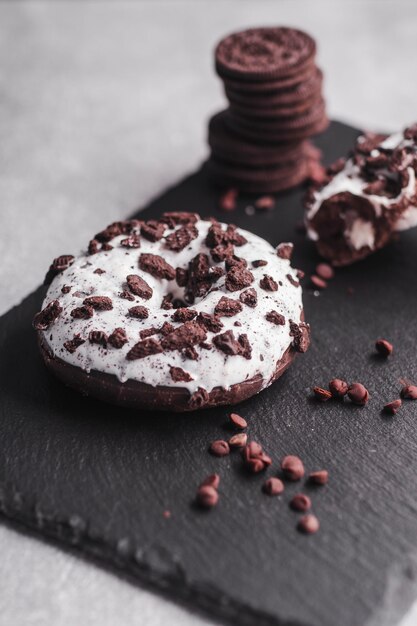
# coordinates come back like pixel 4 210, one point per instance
pixel 383 347
pixel 320 477
pixel 144 348
pixel 118 338
pixel 82 312
pixel 285 250
pixel 273 486
pixel 126 295
pixel 179 375
pixel 409 392
pixel 255 458
pixel 47 316
pixel 318 282
pixel 99 303
pixel 181 238
pixel 139 287
pixel 156 266
pixel 98 337
pixel 227 307
pixel 249 297
pixel 325 271
pixel 294 282
pixel 227 201
pixel 393 407
pixel 153 230
pixel 275 318
pixel 207 496
pixel 322 394
pixel 308 524
pixel 265 203
pixel 259 263
pixel 358 394
pixel 238 421
pixel 238 278
pixel 72 344
pixel 57 266
pixel 292 467
pixel 301 334
pixel 212 323
pixel 238 441
pixel 300 502
pixel 219 448
pixel 133 241
pixel 139 312
pixel 184 314
pixel 268 283
pixel 338 388
pixel 213 480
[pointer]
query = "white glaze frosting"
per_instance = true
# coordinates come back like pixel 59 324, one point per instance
pixel 213 368
pixel 359 232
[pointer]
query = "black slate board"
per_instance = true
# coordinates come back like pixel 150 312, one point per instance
pixel 99 477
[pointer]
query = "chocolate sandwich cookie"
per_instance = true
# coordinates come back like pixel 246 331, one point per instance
pixel 267 87
pixel 264 54
pixel 171 314
pixel 365 199
pixel 267 180
pixel 228 146
pixel 281 111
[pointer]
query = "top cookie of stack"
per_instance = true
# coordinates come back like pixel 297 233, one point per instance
pixel 275 99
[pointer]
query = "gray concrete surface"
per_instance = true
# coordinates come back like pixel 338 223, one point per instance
pixel 102 105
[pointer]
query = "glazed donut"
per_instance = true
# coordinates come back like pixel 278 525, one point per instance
pixel 175 314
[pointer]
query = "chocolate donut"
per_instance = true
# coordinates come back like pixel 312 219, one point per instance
pixel 175 314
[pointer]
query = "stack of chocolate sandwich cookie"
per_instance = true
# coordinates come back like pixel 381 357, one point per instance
pixel 260 143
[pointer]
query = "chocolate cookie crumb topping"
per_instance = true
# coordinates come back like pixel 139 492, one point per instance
pixel 99 303
pixel 126 295
pixel 98 337
pixel 82 312
pixel 153 230
pixel 184 315
pixel 179 375
pixel 285 250
pixel 57 266
pixel 227 343
pixel 268 283
pixel 156 266
pixel 131 242
pixel 227 307
pixel 139 287
pixel 198 399
pixel 181 238
pixel 238 278
pixel 72 344
pixel 139 312
pixel 259 263
pixel 118 338
pixel 210 322
pixel 47 316
pixel 249 297
pixel 301 334
pixel 275 318
pixel 144 348
pixel 186 335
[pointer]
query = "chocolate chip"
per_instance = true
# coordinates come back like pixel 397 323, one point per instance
pixel 322 394
pixel 301 334
pixel 139 287
pixel 82 312
pixel 207 496
pixel 219 448
pixel 249 297
pixel 156 266
pixel 255 458
pixel 144 348
pixel 46 317
pixel 300 502
pixel 259 263
pixel 184 315
pixel 139 312
pixel 199 398
pixel 227 201
pixel 238 421
pixel 338 388
pixel 238 441
pixel 275 318
pixel 227 307
pixel 213 480
pixel 99 303
pixel 212 323
pixel 265 203
pixel 409 392
pixel 273 486
pixel 358 394
pixel 98 337
pixel 181 238
pixel 268 283
pixel 318 282
pixel 118 338
pixel 153 230
pixel 393 407
pixel 320 477
pixel 179 375
pixel 57 266
pixel 72 344
pixel 131 242
pixel 285 250
pixel 308 524
pixel 238 278
pixel 292 467
pixel 227 343
pixel 383 347
pixel 126 295
pixel 325 271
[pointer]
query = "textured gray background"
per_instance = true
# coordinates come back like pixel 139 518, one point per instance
pixel 102 105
